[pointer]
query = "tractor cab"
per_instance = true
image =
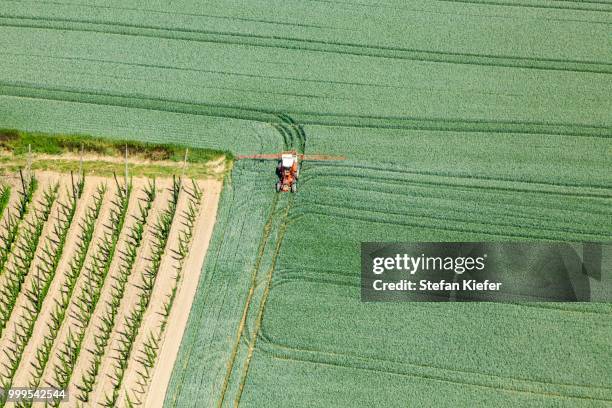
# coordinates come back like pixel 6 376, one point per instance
pixel 288 171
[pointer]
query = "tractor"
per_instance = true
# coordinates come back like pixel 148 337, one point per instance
pixel 288 172
pixel 288 166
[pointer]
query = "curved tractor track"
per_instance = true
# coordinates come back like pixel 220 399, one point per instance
pixel 294 138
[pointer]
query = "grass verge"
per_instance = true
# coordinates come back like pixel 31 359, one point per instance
pixel 104 156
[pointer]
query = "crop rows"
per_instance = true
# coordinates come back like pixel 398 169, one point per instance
pixel 71 274
pixel 486 122
pixel 132 322
pixel 314 283
pixel 107 319
pixel 78 284
pixel 5 195
pixel 188 219
pixel 48 256
pixel 95 275
pixel 341 204
pixel 12 222
pixel 24 253
pixel 148 352
pixel 246 214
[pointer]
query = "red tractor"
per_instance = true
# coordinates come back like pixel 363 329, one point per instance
pixel 288 166
pixel 288 171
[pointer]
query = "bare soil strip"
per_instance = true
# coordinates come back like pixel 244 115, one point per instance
pixel 179 315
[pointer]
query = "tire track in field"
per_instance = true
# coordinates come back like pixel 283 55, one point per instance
pixel 301 44
pixel 393 86
pixel 493 2
pixel 597 6
pixel 537 185
pixel 387 186
pixel 296 276
pixel 321 278
pixel 417 189
pixel 454 13
pixel 198 85
pixel 258 260
pixel 598 203
pixel 454 125
pixel 255 76
pixel 260 314
pixel 421 218
pixel 350 280
pixel 295 24
pixel 451 213
pixel 294 137
pixel 601 208
pixel 139 101
pixel 176 13
pixel 434 373
pixel 228 189
pixel 426 225
pixel 205 71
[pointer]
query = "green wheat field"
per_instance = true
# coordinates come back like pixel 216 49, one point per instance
pixel 461 120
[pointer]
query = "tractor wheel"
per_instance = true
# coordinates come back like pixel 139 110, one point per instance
pixel 278 187
pixel 294 187
pixel 279 169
